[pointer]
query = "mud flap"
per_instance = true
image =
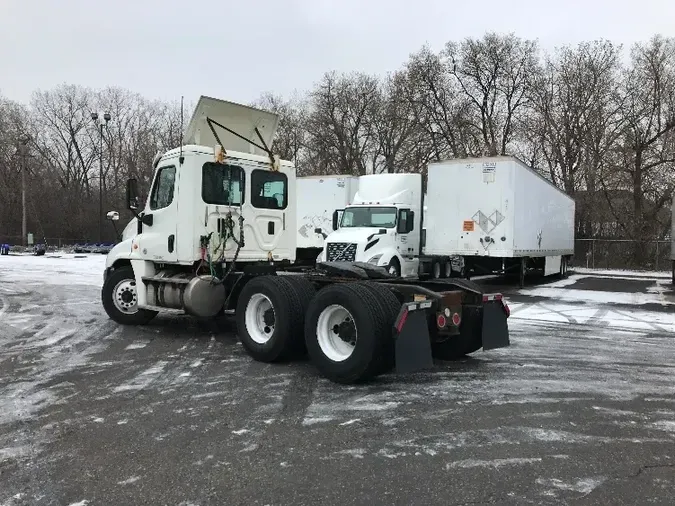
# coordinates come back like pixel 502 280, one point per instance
pixel 495 326
pixel 412 340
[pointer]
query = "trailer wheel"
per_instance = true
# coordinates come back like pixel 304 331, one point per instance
pixel 270 313
pixel 448 268
pixel 344 333
pixel 120 299
pixel 436 269
pixel 389 309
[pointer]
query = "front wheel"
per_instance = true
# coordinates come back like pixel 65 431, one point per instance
pixel 394 268
pixel 120 298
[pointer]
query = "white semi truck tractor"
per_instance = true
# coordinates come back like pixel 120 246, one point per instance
pixel 386 226
pixel 218 233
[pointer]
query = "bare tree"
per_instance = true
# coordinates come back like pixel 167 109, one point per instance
pixel 339 130
pixel 573 104
pixel 290 138
pixel 643 158
pixel 494 73
pixel 440 106
pixel 399 138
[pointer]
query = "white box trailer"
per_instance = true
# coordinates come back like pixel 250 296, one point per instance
pixel 318 197
pixel 499 215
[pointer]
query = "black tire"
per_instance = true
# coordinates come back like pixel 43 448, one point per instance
pixel 305 291
pixel 436 269
pixel 120 275
pixel 394 267
pixel 447 268
pixel 389 309
pixel 285 339
pixel 372 329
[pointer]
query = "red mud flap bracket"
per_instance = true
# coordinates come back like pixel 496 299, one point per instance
pixel 411 338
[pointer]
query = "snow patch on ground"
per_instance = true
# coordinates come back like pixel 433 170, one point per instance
pixel 582 486
pixel 53 269
pixel 495 463
pixel 143 379
pixel 622 272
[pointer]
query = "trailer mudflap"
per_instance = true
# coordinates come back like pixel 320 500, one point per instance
pixel 411 338
pixel 495 333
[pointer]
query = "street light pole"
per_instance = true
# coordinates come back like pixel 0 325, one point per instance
pixel 24 140
pixel 100 125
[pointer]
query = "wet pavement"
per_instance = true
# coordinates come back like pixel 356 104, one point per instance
pixel 580 409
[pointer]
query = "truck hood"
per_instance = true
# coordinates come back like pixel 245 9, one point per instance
pixel 358 235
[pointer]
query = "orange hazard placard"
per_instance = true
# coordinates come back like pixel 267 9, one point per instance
pixel 468 226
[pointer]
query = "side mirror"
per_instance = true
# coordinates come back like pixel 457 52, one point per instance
pixel 320 231
pixel 335 220
pixel 132 194
pixel 113 216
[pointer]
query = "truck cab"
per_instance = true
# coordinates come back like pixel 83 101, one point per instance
pixel 208 207
pixel 382 226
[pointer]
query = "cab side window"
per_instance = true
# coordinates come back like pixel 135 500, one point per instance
pixel 163 188
pixel 269 190
pixel 222 184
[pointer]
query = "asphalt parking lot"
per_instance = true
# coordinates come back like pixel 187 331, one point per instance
pixel 580 409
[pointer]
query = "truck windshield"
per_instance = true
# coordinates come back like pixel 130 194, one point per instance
pixel 375 217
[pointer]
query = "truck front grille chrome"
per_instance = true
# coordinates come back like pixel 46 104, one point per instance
pixel 340 252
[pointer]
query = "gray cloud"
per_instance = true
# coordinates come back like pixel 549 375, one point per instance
pixel 236 50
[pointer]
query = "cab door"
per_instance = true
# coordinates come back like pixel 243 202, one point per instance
pixel 157 240
pixel 268 214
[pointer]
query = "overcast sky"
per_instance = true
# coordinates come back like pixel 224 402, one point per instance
pixel 236 50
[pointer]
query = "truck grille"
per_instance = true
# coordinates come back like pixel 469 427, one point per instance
pixel 340 252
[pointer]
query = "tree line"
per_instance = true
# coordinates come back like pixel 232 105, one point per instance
pixel 596 119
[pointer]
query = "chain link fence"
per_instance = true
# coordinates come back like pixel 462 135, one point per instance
pixel 622 254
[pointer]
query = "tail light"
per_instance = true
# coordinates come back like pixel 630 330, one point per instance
pixel 456 319
pixel 441 321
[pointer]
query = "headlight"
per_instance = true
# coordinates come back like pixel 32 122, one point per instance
pixel 375 259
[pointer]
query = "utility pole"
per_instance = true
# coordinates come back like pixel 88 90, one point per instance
pixel 100 125
pixel 24 140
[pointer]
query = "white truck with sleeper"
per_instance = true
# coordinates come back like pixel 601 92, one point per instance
pixel 217 234
pixel 500 216
pixel 317 198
